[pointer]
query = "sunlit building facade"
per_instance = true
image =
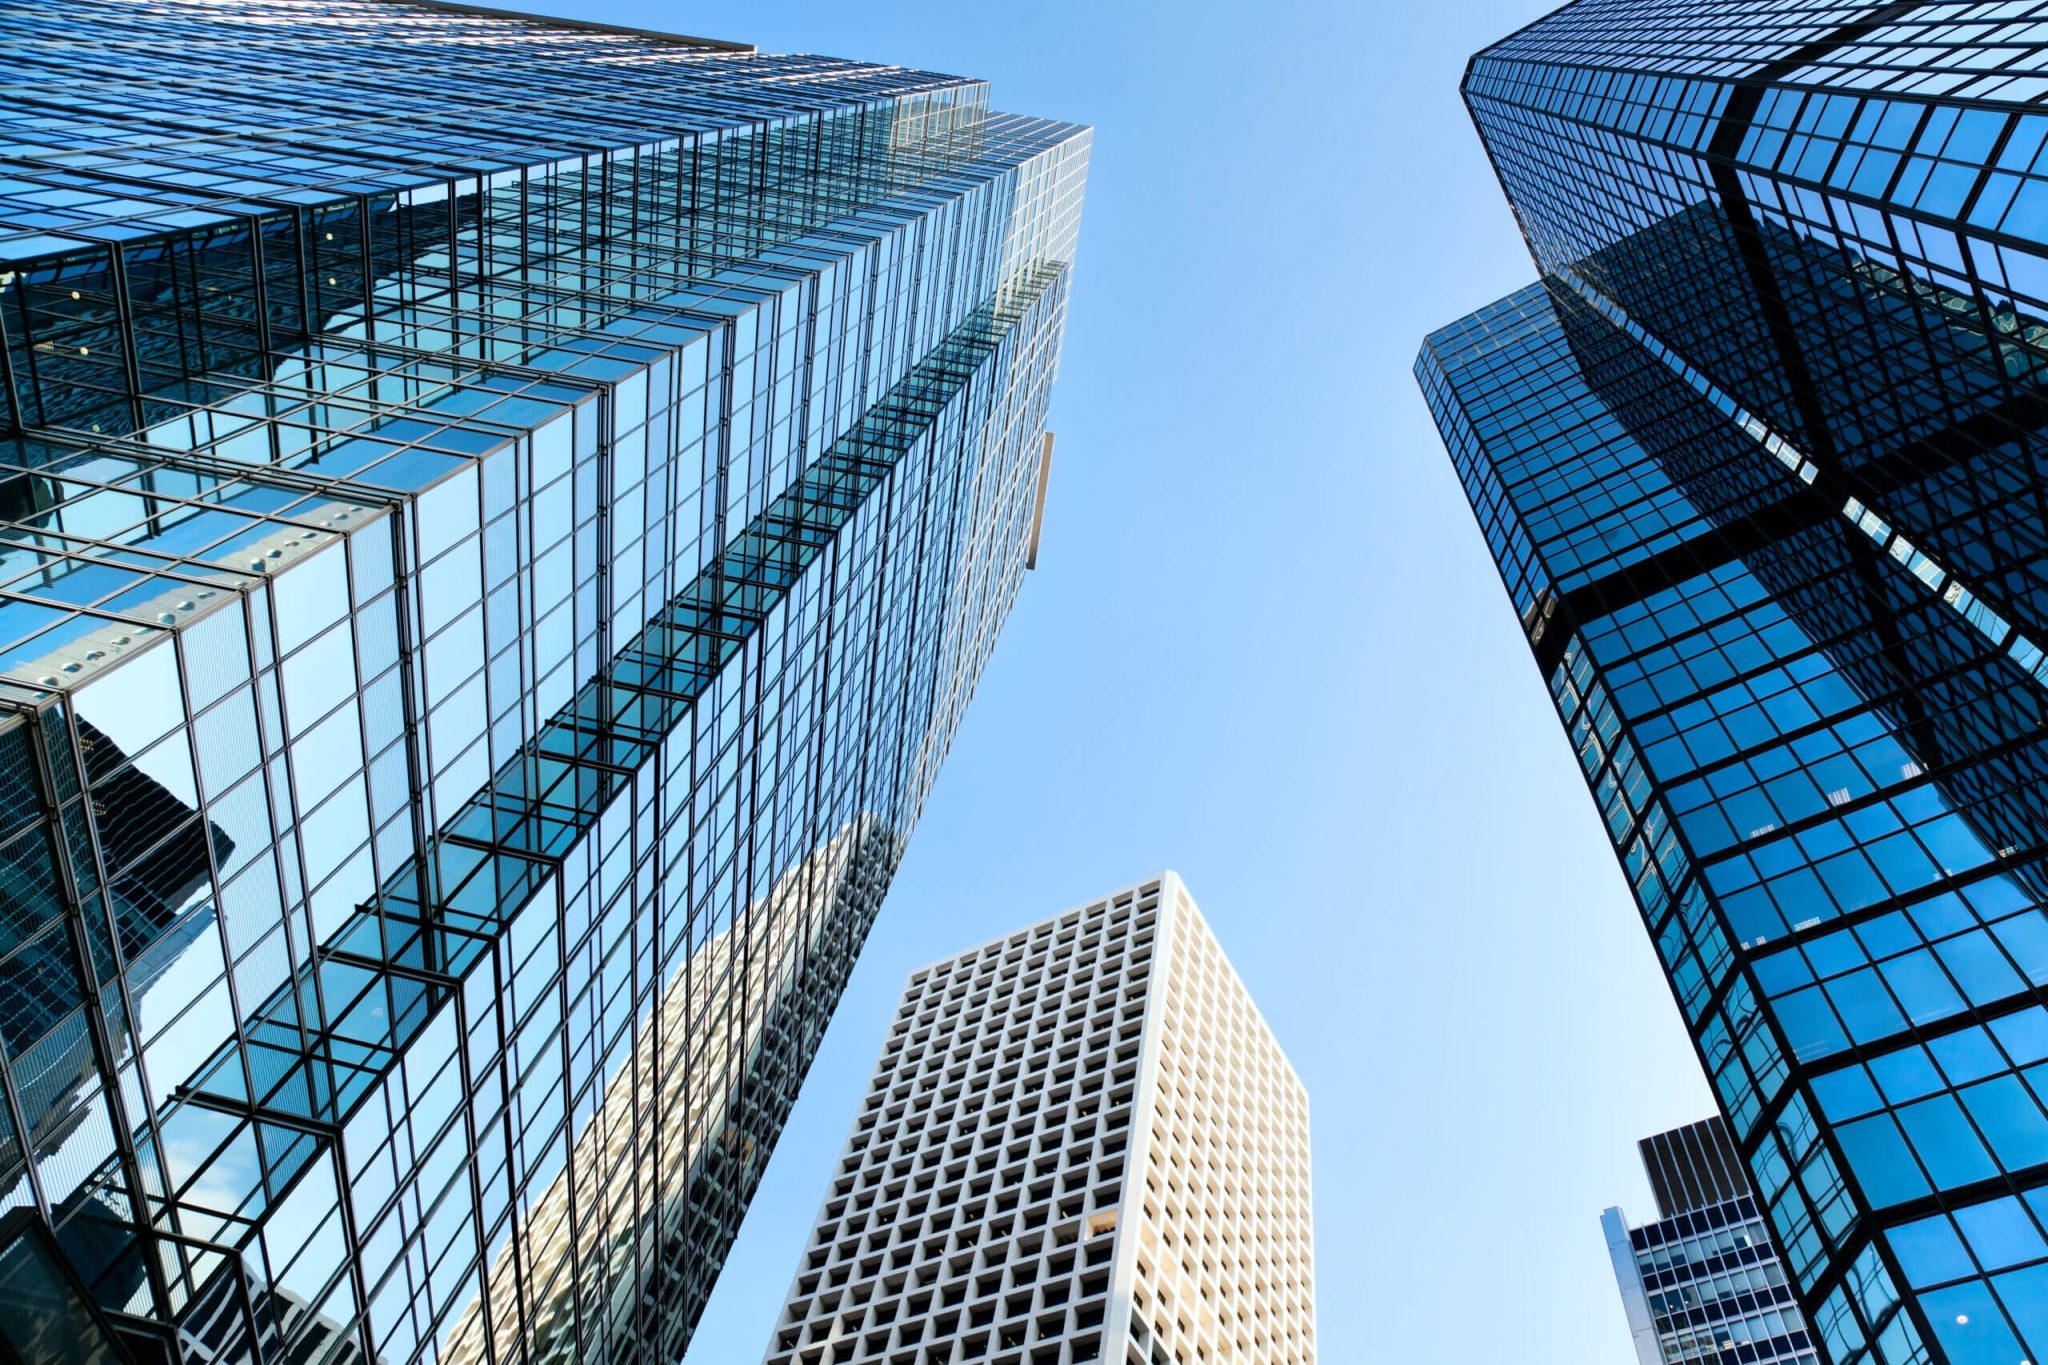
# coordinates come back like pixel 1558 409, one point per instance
pixel 486 584
pixel 1081 1144
pixel 1703 1282
pixel 1761 460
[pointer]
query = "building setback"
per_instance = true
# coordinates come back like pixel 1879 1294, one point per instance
pixel 1704 1282
pixel 1761 459
pixel 1082 1143
pixel 502 518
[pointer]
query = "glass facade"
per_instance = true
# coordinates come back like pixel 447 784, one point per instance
pixel 1761 459
pixel 486 583
pixel 1703 1283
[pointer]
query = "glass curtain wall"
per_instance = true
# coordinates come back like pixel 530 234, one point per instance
pixel 502 519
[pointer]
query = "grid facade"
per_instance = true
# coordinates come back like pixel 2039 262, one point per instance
pixel 1760 459
pixel 485 587
pixel 1082 1143
pixel 1703 1283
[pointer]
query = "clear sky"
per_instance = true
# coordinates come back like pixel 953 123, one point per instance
pixel 1265 647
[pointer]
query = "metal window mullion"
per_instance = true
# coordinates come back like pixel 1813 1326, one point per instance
pixel 95 1016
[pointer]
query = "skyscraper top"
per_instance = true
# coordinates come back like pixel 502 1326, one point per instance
pixel 203 114
pixel 1693 1167
pixel 1082 1143
pixel 659 35
pixel 1981 52
pixel 1703 1280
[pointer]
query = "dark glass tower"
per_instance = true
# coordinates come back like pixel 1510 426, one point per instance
pixel 501 520
pixel 1762 459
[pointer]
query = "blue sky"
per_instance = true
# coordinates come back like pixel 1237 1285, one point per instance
pixel 1265 647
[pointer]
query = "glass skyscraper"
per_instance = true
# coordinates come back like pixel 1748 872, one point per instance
pixel 1703 1282
pixel 1762 460
pixel 499 521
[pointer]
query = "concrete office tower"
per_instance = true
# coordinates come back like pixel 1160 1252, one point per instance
pixel 1704 1282
pixel 499 521
pixel 1082 1143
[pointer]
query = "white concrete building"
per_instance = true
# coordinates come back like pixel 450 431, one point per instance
pixel 1082 1143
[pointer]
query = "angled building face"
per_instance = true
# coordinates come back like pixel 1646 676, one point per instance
pixel 1082 1143
pixel 1704 1282
pixel 1761 458
pixel 486 584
